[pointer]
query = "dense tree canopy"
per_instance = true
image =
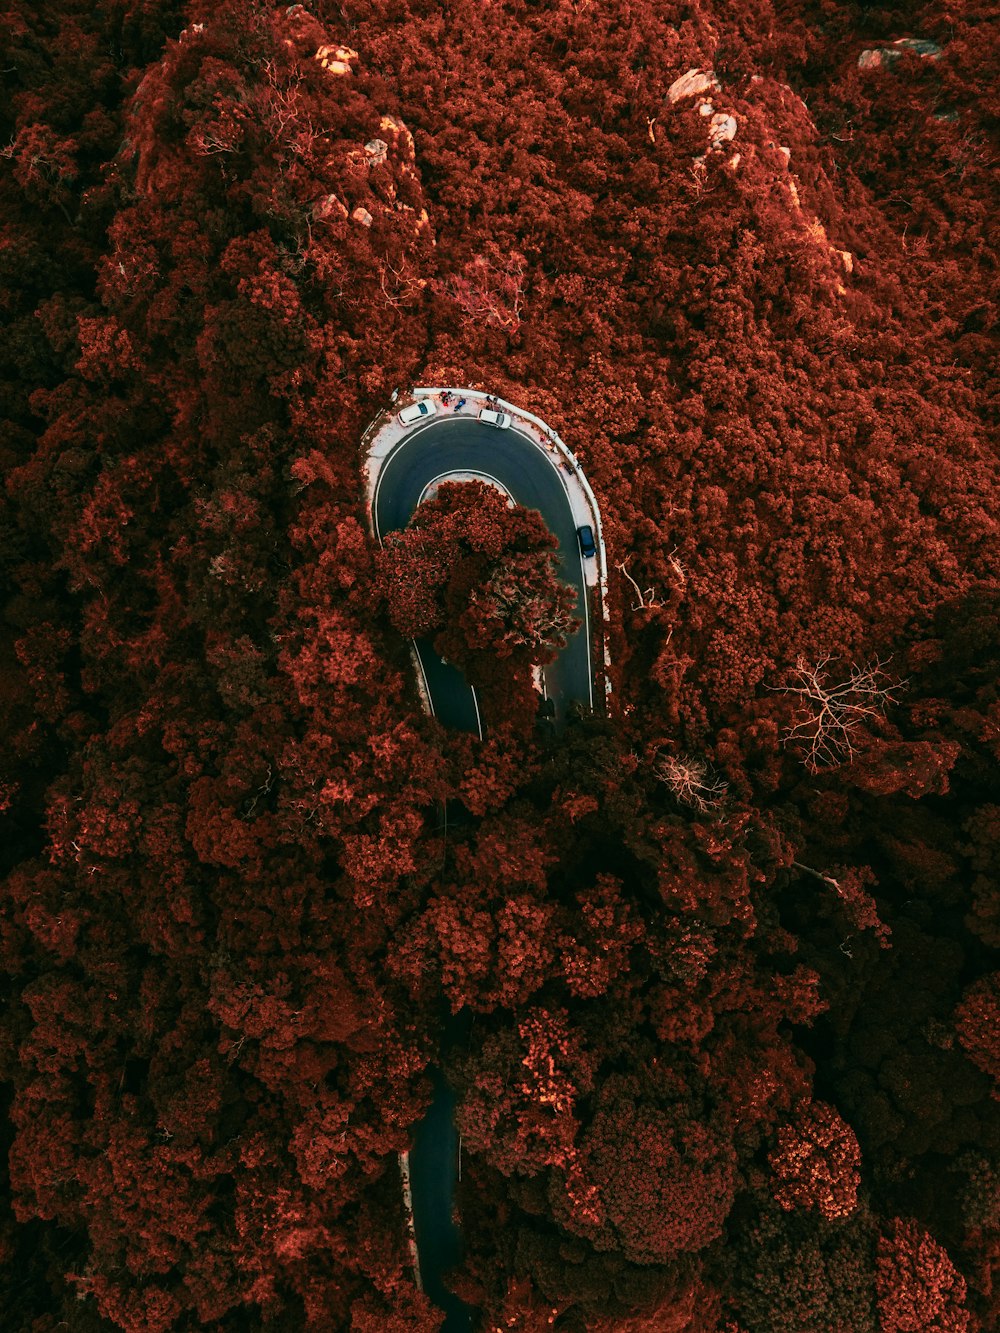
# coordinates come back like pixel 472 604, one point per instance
pixel 730 1058
pixel 477 574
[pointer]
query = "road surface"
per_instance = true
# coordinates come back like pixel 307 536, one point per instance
pixel 456 444
pixel 433 1176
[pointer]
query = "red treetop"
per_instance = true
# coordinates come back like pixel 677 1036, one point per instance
pixel 815 1163
pixel 977 1019
pixel 919 1289
pixel 664 1180
pixel 480 570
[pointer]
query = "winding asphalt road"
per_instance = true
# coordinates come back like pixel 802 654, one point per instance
pixel 455 444
pixel 459 444
pixel 433 1176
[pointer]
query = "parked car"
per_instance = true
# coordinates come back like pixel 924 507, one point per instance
pixel 425 408
pixel 586 537
pixel 501 419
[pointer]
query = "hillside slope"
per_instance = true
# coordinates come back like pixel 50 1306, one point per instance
pixel 731 951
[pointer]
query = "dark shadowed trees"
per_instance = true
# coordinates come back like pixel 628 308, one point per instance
pixel 731 1061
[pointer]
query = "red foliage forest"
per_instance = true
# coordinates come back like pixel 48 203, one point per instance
pixel 733 1063
pixel 477 575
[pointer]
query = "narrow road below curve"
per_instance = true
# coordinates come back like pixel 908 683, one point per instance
pixel 433 1176
pixel 457 444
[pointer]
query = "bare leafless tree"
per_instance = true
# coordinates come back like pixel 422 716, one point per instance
pixel 692 780
pixel 647 601
pixel 284 112
pixel 831 711
pixel 218 137
pixel 398 284
pixel 490 288
pixel 679 569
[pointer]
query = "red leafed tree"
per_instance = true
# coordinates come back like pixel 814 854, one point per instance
pixel 919 1288
pixel 797 1273
pixel 410 1312
pixel 479 571
pixel 594 951
pixel 521 1093
pixel 221 854
pixel 816 1161
pixel 977 1020
pixel 653 1181
pixel 523 1310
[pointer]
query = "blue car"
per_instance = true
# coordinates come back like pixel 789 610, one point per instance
pixel 586 537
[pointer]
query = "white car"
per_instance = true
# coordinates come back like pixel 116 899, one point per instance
pixel 501 419
pixel 425 408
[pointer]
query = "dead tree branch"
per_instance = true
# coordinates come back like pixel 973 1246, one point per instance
pixel 692 780
pixel 832 712
pixel 647 600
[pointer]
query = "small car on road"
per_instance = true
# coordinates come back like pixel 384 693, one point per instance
pixel 585 534
pixel 425 408
pixel 501 419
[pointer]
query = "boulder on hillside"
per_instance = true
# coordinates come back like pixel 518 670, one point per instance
pixel 691 84
pixel 919 46
pixel 884 57
pixel 329 206
pixel 721 129
pixel 400 140
pixel 336 59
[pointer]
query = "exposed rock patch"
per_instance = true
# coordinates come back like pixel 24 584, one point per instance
pixel 691 84
pixel 337 59
pixel 778 111
pixel 329 206
pixel 721 129
pixel 721 125
pixel 381 176
pixel 400 139
pixel 884 57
